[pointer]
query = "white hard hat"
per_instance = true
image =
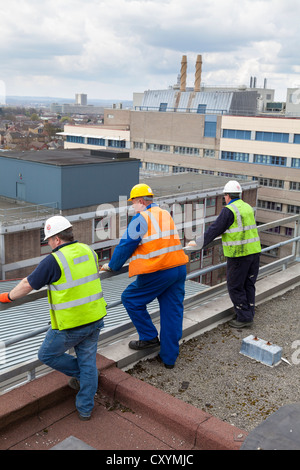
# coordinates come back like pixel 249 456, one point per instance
pixel 54 225
pixel 232 187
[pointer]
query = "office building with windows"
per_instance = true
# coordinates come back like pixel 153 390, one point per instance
pixel 261 147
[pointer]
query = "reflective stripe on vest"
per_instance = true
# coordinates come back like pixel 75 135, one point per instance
pixel 241 242
pixel 240 227
pixel 80 300
pixel 160 248
pixel 162 251
pixel 70 282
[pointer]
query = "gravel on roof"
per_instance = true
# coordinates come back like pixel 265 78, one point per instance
pixel 212 375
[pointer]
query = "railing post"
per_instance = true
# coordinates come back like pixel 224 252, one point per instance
pixel 31 375
pixel 296 247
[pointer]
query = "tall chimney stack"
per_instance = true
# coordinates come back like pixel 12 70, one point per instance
pixel 198 73
pixel 183 73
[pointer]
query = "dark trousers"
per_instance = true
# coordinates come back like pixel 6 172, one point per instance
pixel 241 278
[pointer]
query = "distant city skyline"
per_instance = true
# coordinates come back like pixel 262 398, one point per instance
pixel 109 50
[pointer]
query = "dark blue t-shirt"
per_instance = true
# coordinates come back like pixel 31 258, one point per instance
pixel 47 272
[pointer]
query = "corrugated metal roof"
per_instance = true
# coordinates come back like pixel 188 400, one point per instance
pixel 33 315
pixel 182 101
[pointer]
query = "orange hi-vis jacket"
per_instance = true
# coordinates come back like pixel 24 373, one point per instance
pixel 160 247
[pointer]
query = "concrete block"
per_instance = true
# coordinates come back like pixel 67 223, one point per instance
pixel 261 350
pixel 72 443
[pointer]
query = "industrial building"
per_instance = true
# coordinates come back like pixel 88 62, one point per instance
pixel 69 179
pixel 92 191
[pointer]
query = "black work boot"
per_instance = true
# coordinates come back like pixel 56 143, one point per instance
pixel 144 344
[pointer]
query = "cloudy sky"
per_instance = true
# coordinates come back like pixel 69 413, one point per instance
pixel 112 48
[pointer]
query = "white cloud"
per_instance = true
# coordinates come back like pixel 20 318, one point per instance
pixel 111 48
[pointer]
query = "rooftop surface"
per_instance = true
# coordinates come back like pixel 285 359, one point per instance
pixel 129 413
pixel 64 157
pixel 181 183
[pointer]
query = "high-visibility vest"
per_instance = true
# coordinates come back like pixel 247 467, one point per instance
pixel 241 239
pixel 76 298
pixel 160 248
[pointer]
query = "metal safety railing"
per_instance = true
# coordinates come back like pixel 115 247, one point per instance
pixel 30 366
pixel 21 212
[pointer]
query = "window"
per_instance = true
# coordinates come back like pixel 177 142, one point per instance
pixel 270 160
pixel 272 136
pixel 186 150
pixel 233 175
pixel 269 205
pixel 157 148
pixel 138 145
pixel 117 143
pixel 297 139
pixel 271 183
pixel 182 169
pixel 104 254
pixel 236 134
pixel 198 209
pixel 293 209
pixel 289 232
pixel 210 126
pixel 274 229
pixel 75 139
pixel 195 255
pixel 96 141
pixel 201 109
pixel 163 107
pixel 209 153
pixel 207 257
pixel 295 163
pixel 210 206
pixel 157 167
pixel 235 156
pixel 294 186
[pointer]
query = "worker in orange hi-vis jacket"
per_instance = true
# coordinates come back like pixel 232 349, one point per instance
pixel 156 257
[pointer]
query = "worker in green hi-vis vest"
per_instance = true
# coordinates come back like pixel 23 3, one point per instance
pixel 241 246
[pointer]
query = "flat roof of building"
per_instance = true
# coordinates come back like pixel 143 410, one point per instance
pixel 180 183
pixel 69 156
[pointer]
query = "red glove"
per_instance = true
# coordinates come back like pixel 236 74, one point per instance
pixel 4 298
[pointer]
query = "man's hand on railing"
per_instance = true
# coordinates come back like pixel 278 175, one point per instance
pixel 105 267
pixel 4 298
pixel 192 245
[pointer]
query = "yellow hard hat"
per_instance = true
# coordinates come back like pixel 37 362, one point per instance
pixel 140 190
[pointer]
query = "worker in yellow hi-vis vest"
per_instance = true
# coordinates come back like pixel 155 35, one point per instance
pixel 77 308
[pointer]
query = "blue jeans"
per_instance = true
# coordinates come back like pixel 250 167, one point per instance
pixel 168 286
pixel 82 366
